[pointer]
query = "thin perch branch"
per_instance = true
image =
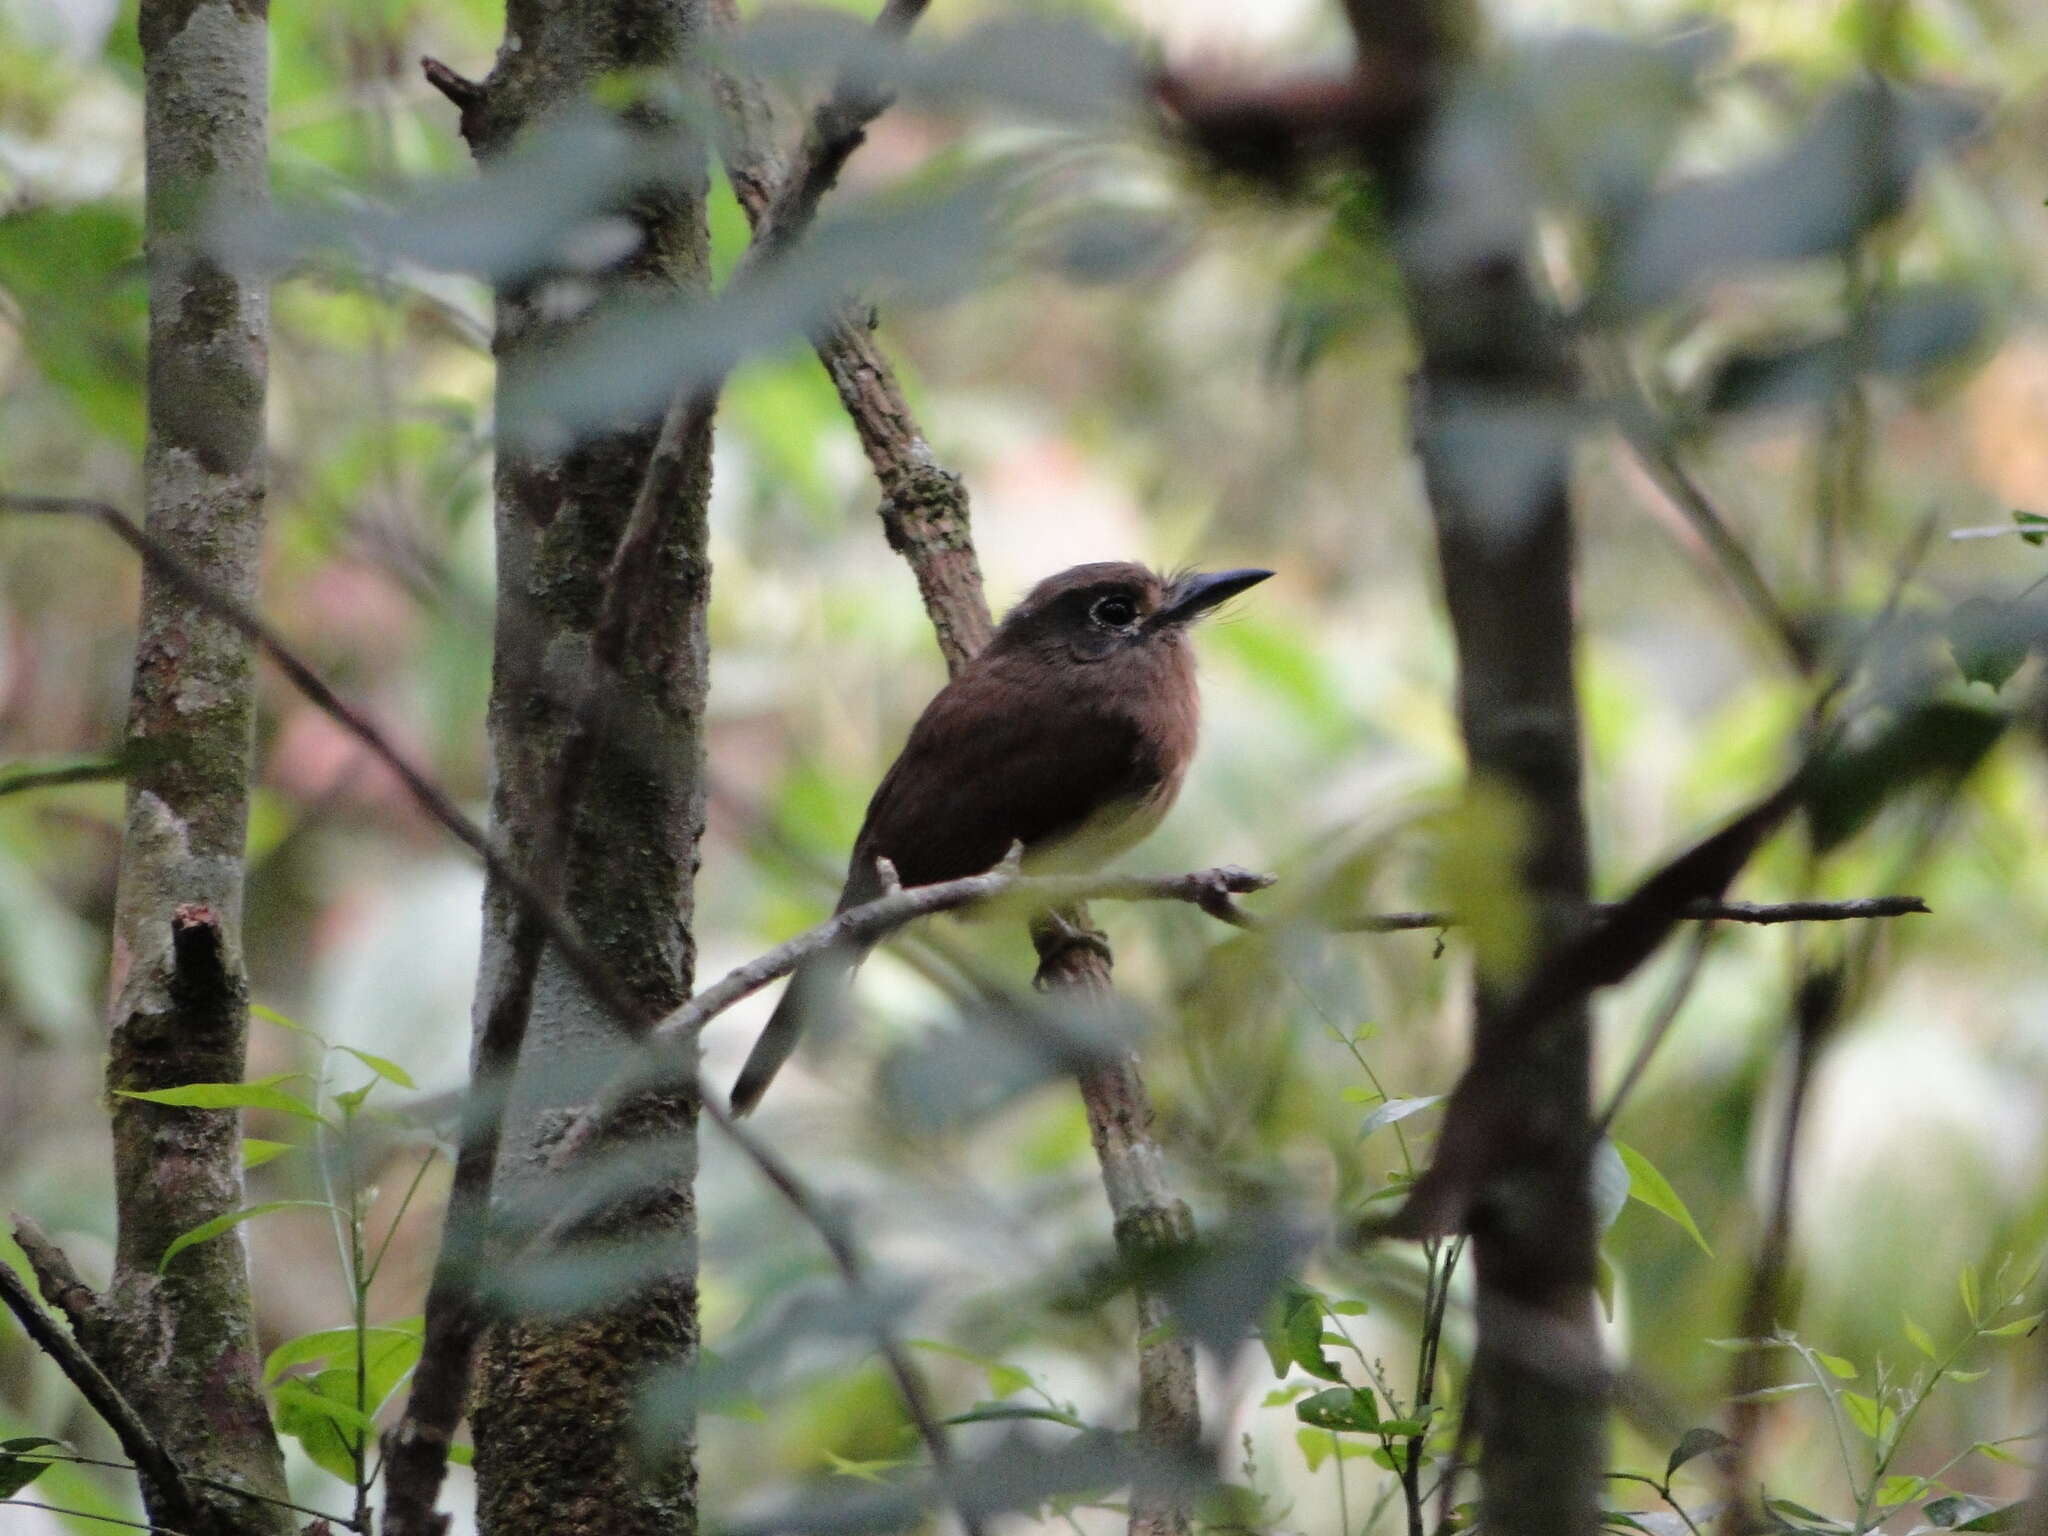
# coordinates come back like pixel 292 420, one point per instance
pixel 874 920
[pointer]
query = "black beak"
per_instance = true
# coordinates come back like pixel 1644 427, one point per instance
pixel 1194 595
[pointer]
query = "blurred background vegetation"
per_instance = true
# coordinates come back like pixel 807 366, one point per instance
pixel 1154 366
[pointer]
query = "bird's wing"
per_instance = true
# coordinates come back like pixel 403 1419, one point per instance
pixel 986 765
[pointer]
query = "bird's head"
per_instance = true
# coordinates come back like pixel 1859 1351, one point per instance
pixel 1092 612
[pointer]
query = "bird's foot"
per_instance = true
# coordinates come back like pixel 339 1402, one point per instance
pixel 1057 934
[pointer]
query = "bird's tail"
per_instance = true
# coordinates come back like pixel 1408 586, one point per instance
pixel 817 987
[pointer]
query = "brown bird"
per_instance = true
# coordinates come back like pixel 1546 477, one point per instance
pixel 1070 734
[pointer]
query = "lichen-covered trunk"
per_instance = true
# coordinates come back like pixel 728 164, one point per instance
pixel 181 1346
pixel 560 1444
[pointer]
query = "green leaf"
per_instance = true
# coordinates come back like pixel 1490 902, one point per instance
pixel 1995 1451
pixel 1813 1519
pixel 1952 1511
pixel 207 1230
pixel 1941 740
pixel 1349 1308
pixel 463 1455
pixel 1394 1111
pixel 1293 1334
pixel 2014 1328
pixel 261 1094
pixel 383 1066
pixel 1316 1446
pixel 2033 527
pixel 320 1413
pixel 2008 1517
pixel 863 1471
pixel 1003 1380
pixel 352 1100
pixel 1900 1490
pixel 389 1351
pixel 1695 1442
pixel 1647 1185
pixel 17 1469
pixel 1874 1419
pixel 1965 1377
pixel 1918 1338
pixel 1966 1282
pixel 1989 640
pixel 1339 1408
pixel 1280 1397
pixel 256 1151
pixel 272 1016
pixel 1846 1369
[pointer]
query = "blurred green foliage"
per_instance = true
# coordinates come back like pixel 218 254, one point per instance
pixel 1233 395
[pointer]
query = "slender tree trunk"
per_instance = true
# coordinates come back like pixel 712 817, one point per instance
pixel 181 1346
pixel 1493 422
pixel 560 1446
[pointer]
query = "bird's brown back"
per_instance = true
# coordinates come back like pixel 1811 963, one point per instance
pixel 1077 757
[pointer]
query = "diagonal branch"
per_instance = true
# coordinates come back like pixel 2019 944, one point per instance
pixel 158 1467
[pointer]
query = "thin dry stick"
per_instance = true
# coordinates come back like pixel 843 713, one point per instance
pixel 137 1439
pixel 779 1175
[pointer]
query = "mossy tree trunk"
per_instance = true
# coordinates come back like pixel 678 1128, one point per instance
pixel 559 1444
pixel 181 1346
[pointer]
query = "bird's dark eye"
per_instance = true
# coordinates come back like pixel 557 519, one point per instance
pixel 1115 610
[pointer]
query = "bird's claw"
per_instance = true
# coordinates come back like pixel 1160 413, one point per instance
pixel 1057 934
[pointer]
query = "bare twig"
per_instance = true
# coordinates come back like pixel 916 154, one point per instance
pixel 1758 912
pixel 138 1440
pixel 874 920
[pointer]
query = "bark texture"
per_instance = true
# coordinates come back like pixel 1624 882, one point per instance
pixel 559 1445
pixel 180 1346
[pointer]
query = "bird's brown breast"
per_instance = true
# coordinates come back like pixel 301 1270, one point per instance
pixel 1078 760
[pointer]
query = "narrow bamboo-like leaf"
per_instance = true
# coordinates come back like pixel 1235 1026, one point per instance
pixel 1650 1187
pixel 383 1066
pixel 271 1016
pixel 1846 1369
pixel 2014 1328
pixel 1918 1338
pixel 262 1094
pixel 256 1151
pixel 212 1229
pixel 1966 1282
